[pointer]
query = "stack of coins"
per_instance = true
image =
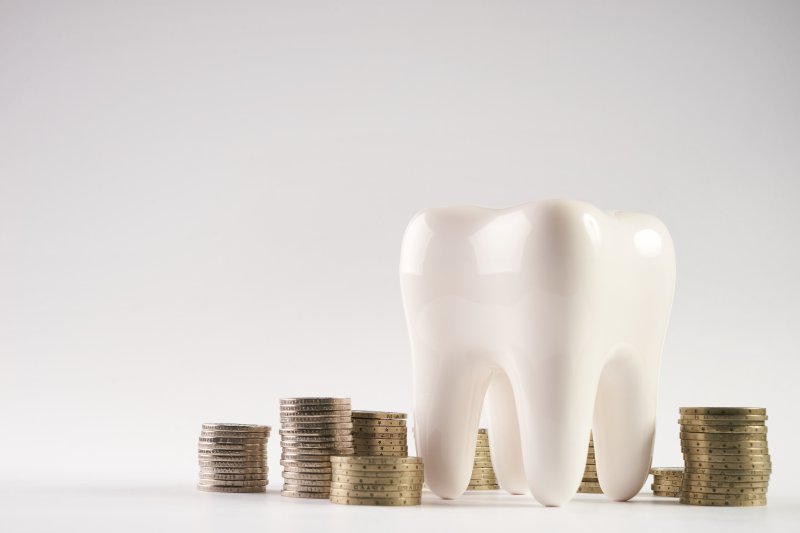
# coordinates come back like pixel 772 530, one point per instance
pixel 590 484
pixel 726 459
pixel 233 458
pixel 377 480
pixel 380 433
pixel 483 477
pixel 667 481
pixel 313 429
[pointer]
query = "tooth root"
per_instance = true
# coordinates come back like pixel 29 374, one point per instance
pixel 624 424
pixel 506 448
pixel 554 401
pixel 448 400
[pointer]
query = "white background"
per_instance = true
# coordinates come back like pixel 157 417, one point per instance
pixel 201 205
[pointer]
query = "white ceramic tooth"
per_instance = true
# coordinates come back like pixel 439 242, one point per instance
pixel 559 310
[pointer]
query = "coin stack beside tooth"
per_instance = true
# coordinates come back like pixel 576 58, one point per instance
pixel 667 481
pixel 313 429
pixel 590 484
pixel 483 477
pixel 726 460
pixel 379 433
pixel 376 480
pixel 233 458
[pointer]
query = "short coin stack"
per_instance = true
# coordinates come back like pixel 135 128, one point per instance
pixel 233 458
pixel 483 477
pixel 380 433
pixel 667 481
pixel 590 484
pixel 377 480
pixel 727 462
pixel 313 429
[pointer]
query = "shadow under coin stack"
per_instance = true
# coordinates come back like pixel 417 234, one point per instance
pixel 483 477
pixel 233 458
pixel 380 433
pixel 727 462
pixel 667 481
pixel 377 480
pixel 313 429
pixel 590 484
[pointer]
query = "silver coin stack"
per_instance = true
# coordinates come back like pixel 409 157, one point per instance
pixel 233 458
pixel 313 429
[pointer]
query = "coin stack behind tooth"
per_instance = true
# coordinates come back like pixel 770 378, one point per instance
pixel 590 484
pixel 313 429
pixel 377 433
pixel 233 458
pixel 667 481
pixel 376 480
pixel 483 477
pixel 726 460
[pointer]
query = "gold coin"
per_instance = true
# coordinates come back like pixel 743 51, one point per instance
pixel 743 452
pixel 723 410
pixel 728 477
pixel 483 431
pixel 590 490
pixel 728 465
pixel 739 458
pixel 666 494
pixel 380 487
pixel 376 493
pixel 494 486
pixel 761 471
pixel 727 484
pixel 348 500
pixel 365 460
pixel 368 431
pixel 303 494
pixel 367 480
pixel 724 430
pixel 726 444
pixel 589 484
pixel 665 488
pixel 738 419
pixel 726 490
pixel 482 464
pixel 380 441
pixel 378 423
pixel 378 414
pixel 690 423
pixel 727 497
pixel 317 425
pixel 663 481
pixel 215 488
pixel 689 437
pixel 723 503
pixel 666 470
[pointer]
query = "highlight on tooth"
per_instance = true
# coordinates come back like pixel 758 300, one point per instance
pixel 555 314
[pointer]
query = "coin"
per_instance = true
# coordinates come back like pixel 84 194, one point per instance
pixel 723 410
pixel 723 503
pixel 378 414
pixel 589 484
pixel 314 407
pixel 728 477
pixel 232 483
pixel 734 472
pixel 230 446
pixel 728 497
pixel 250 428
pixel 735 418
pixel 287 463
pixel 727 490
pixel 302 494
pixel 310 477
pixel 313 400
pixel 380 461
pixel 241 471
pixel 301 432
pixel 348 500
pixel 406 487
pixel 229 440
pixel 214 488
pixel 667 481
pixel 304 487
pixel 306 482
pixel 740 458
pixel 315 425
pixel 724 430
pixel 232 477
pixel 666 494
pixel 590 490
pixel 690 423
pixel 739 438
pixel 306 470
pixel 366 450
pixel 370 430
pixel 371 423
pixel 380 440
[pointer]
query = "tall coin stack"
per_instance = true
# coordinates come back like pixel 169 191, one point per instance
pixel 667 481
pixel 233 458
pixel 380 433
pixel 483 477
pixel 313 429
pixel 377 480
pixel 590 484
pixel 726 458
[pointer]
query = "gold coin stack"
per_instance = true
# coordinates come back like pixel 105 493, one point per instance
pixel 667 481
pixel 377 480
pixel 483 477
pixel 590 484
pixel 726 458
pixel 313 429
pixel 380 433
pixel 233 458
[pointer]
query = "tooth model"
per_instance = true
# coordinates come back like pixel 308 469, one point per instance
pixel 558 311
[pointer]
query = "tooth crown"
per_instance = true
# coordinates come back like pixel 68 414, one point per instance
pixel 558 310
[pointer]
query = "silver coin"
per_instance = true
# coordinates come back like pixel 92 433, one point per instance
pixel 250 428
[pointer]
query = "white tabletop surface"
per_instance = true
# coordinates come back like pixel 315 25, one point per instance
pixel 183 508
